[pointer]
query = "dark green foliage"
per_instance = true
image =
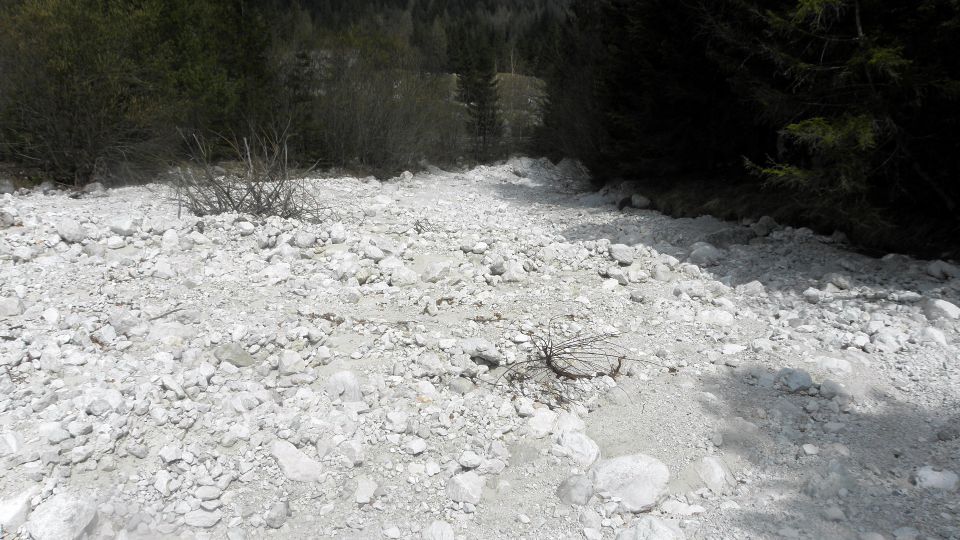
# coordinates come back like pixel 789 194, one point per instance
pixel 477 89
pixel 849 107
pixel 89 85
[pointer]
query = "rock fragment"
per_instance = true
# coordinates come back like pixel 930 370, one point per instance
pixel 466 487
pixel 294 464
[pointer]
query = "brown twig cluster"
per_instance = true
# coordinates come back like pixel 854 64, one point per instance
pixel 261 183
pixel 562 367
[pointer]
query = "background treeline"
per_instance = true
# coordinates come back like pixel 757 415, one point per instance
pixel 840 114
pixel 837 114
pixel 94 88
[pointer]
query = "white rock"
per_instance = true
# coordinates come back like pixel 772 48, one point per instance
pixel 202 518
pixel 715 317
pixel 246 228
pixel 415 446
pixel 466 487
pixel 638 480
pixel 469 460
pixel 290 363
pixel 295 464
pixel 65 516
pixel 124 226
pixel 344 385
pixel 14 511
pixel 207 493
pixel 583 449
pixel 715 474
pixel 940 309
pixel 366 490
pixel 70 231
pixel 338 233
pixel 116 242
pixel 169 454
pixel 438 530
pixel 930 478
pixel 11 306
pixel 404 277
pixel 304 239
pixel 514 273
pixel 170 241
pixel 933 335
pixel 622 253
pixel 542 423
pixel 161 482
pixel 651 528
pixel 476 347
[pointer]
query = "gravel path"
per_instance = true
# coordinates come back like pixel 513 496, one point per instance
pixel 230 377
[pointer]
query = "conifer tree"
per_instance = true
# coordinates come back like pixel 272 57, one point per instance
pixel 477 88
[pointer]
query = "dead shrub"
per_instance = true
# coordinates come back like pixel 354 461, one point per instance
pixel 260 182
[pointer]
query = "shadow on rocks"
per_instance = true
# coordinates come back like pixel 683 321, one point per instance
pixel 821 462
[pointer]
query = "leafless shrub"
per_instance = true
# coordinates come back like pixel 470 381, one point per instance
pixel 564 367
pixel 260 183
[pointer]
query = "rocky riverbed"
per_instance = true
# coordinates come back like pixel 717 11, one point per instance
pixel 235 377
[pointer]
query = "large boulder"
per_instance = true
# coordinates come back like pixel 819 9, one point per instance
pixel 940 309
pixel 638 480
pixel 65 516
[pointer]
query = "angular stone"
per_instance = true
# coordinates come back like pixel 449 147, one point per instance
pixel 294 464
pixel 366 490
pixel 14 511
pixel 11 306
pixel 482 349
pixel 233 353
pixel 290 363
pixel 65 516
pixel 583 449
pixel 466 487
pixel 202 518
pixel 622 253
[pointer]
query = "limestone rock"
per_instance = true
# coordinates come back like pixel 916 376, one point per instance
pixel 637 479
pixel 65 516
pixel 295 464
pixel 466 487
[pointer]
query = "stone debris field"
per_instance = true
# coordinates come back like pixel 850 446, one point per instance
pixel 236 377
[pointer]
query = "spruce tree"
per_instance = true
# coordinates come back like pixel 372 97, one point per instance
pixel 477 88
